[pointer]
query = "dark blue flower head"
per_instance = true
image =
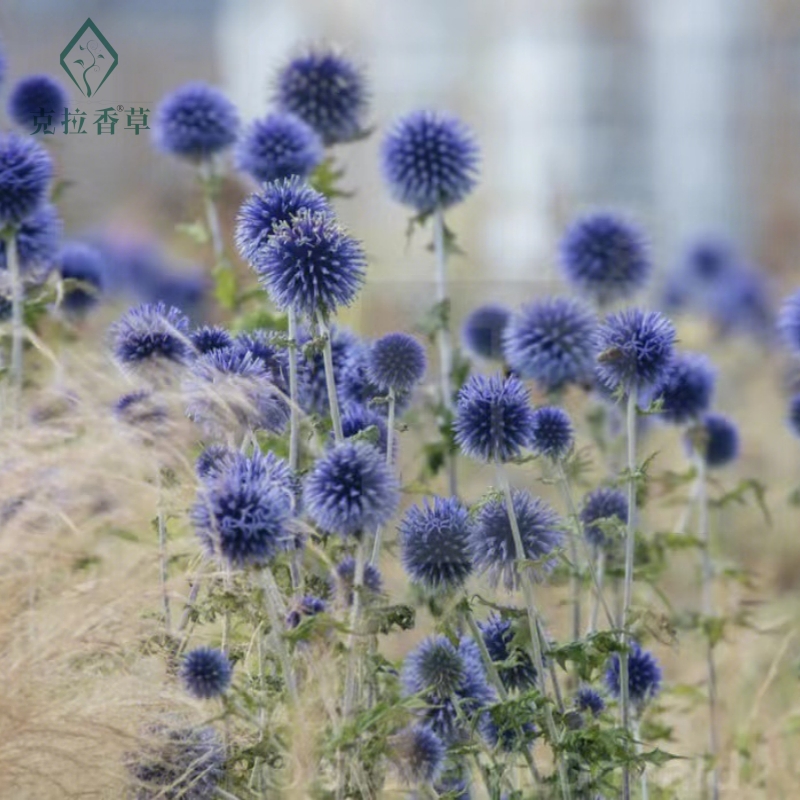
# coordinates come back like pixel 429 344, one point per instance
pixel 513 664
pixel 83 263
pixel 356 387
pixel 25 173
pixel 262 346
pixel 206 672
pixel 605 257
pixel 195 122
pixel 327 91
pixel 210 338
pixel 306 606
pixel 275 202
pixel 716 438
pixel 312 265
pixel 213 461
pixel 37 239
pixel 552 341
pixel 492 541
pixel 396 361
pixel 709 260
pixel 634 349
pixel 509 735
pixel 141 409
pixel 278 146
pixel 551 432
pixel 313 388
pixel 789 322
pixel 482 331
pixel 344 579
pixel 603 505
pixel 34 96
pixel 686 388
pixel 493 418
pixel 794 415
pixel 430 159
pixel 435 542
pixel 350 490
pixel 419 753
pixel 356 419
pixel 644 675
pixel 588 699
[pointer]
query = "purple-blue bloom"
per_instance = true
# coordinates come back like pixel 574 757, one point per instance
pixel 644 675
pixel 588 699
pixel 140 409
pixel 717 439
pixel 789 322
pixel 307 606
pixel 552 434
pixel 357 418
pixel 313 389
pixel 25 172
pixel 397 362
pixel 482 331
pixel 513 664
pixel 34 96
pixel 794 415
pixel 599 506
pixel 262 346
pixel 420 753
pixel 213 461
pixel 686 388
pixel 37 239
pixel 210 338
pixel 355 386
pixel 206 672
pixel 83 263
pixel 343 580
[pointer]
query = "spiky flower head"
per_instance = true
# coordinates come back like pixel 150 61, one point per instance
pixel 686 388
pixel 492 541
pixel 206 672
pixel 313 388
pixel 326 90
pixel 350 490
pixel 552 342
pixel 493 418
pixel 789 322
pixel 513 664
pixel 36 239
pixel 358 419
pixel 434 541
pixel 356 387
pixel 588 699
pixel 264 347
pixel 210 338
pixel 429 160
pixel 552 434
pixel 34 96
pixel 307 606
pixel 397 362
pixel 312 265
pixel 343 580
pixel 716 438
pixel 195 122
pixel 275 202
pixel 634 349
pixel 644 675
pixel 141 410
pixel 603 505
pixel 482 331
pixel 794 415
pixel 605 257
pixel 213 461
pixel 25 173
pixel 278 146
pixel 419 753
pixel 83 263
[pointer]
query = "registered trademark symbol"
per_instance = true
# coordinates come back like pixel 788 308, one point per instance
pixel 120 108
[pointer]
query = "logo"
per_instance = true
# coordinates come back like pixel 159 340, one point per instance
pixel 89 59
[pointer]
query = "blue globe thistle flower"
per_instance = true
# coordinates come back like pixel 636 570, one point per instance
pixel 195 122
pixel 278 146
pixel 213 461
pixel 177 763
pixel 717 439
pixel 327 91
pixel 493 418
pixel 262 346
pixel 435 543
pixel 350 490
pixel 25 173
pixel 710 259
pixel 794 415
pixel 275 202
pixel 513 664
pixel 634 349
pixel 34 96
pixel 306 606
pixel 686 388
pixel 510 736
pixel 206 672
pixel 588 699
pixel 789 322
pixel 151 340
pixel 344 580
pixel 83 263
pixel 482 331
pixel 605 257
pixel 210 338
pixel 396 361
pixel 357 418
pixel 355 386
pixel 430 159
pixel 551 432
pixel 644 675
pixel 552 342
pixel 313 388
pixel 492 542
pixel 37 239
pixel 602 505
pixel 420 754
pixel 141 409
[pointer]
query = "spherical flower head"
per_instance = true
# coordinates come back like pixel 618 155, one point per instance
pixel 327 91
pixel 275 202
pixel 588 699
pixel 213 461
pixel 601 506
pixel 262 346
pixel 33 97
pixel 644 675
pixel 210 338
pixel 25 173
pixel 492 541
pixel 435 542
pixel 686 388
pixel 493 418
pixel 358 419
pixel 794 415
pixel 344 580
pixel 716 438
pixel 551 432
pixel 141 410
pixel 312 265
pixel 306 606
pixel 313 388
pixel 605 257
pixel 195 122
pixel 789 322
pixel 278 146
pixel 396 362
pixel 482 331
pixel 419 753
pixel 355 386
pixel 37 239
pixel 350 490
pixel 552 342
pixel 83 263
pixel 634 349
pixel 514 665
pixel 206 672
pixel 152 340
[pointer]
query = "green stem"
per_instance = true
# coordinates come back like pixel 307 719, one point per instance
pixel 330 379
pixel 376 545
pixel 207 178
pixel 643 780
pixel 274 602
pixel 294 407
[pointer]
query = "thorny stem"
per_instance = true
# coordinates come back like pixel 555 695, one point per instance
pixel 17 326
pixel 212 215
pixel 274 602
pixel 643 780
pixel 330 379
pixel 294 408
pixel 600 571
